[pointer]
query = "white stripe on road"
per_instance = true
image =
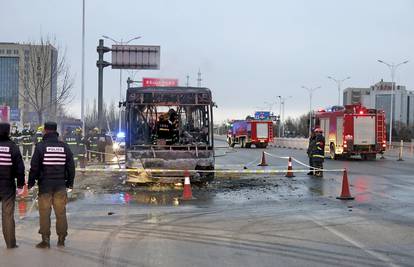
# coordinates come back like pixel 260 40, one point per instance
pixel 353 242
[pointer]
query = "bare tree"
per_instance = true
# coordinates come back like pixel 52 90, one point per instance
pixel 46 78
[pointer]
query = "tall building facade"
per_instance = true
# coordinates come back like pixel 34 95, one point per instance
pixel 379 96
pixel 19 63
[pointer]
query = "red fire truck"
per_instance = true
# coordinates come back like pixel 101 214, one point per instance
pixel 352 130
pixel 250 132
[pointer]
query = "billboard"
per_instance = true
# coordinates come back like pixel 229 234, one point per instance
pixel 149 82
pixel 14 114
pixel 262 115
pixel 143 57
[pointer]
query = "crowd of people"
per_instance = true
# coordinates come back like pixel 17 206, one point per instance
pixel 90 147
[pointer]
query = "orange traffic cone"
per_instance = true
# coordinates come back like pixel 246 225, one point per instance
pixel 290 169
pixel 345 194
pixel 263 161
pixel 187 192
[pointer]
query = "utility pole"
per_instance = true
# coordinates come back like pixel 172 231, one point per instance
pixel 339 83
pixel 280 115
pixel 188 80
pixel 83 70
pixel 101 64
pixel 199 78
pixel 393 68
pixel 310 90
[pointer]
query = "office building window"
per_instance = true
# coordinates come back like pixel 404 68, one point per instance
pixel 9 81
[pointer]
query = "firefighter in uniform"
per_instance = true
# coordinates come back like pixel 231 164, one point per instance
pixel 318 152
pixel 15 135
pixel 38 136
pixel 53 167
pixel 164 130
pixel 27 142
pixel 173 120
pixel 71 141
pixel 93 143
pixel 11 167
pixel 311 146
pixel 81 146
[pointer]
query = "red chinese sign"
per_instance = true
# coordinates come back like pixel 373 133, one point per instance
pixel 149 82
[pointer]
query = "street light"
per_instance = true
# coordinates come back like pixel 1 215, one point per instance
pixel 339 83
pixel 83 69
pixel 282 114
pixel 310 90
pixel 120 71
pixel 393 68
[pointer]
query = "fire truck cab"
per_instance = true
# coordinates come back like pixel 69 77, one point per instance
pixel 352 130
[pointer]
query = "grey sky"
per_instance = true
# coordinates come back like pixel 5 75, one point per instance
pixel 248 51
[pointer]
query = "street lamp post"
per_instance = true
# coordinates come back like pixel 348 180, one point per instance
pixel 281 127
pixel 120 73
pixel 310 90
pixel 339 83
pixel 393 68
pixel 83 69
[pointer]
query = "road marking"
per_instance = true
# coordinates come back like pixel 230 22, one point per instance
pixel 355 243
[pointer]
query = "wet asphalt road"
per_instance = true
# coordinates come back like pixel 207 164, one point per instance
pixel 264 220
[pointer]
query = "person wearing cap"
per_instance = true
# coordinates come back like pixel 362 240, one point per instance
pixel 311 146
pixel 53 168
pixel 11 167
pixel 318 152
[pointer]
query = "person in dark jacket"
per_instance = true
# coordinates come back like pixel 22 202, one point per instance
pixel 311 147
pixel 11 167
pixel 318 152
pixel 53 167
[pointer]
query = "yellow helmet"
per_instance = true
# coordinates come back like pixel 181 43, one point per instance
pixel 78 130
pixel 40 128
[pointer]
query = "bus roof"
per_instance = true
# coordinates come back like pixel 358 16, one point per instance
pixel 177 95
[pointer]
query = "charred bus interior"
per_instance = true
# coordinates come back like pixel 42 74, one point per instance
pixel 170 128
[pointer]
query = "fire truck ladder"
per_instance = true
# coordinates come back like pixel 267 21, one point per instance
pixel 380 128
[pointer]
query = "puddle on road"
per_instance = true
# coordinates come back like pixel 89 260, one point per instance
pixel 232 189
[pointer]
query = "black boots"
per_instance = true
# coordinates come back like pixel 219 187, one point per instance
pixel 45 242
pixel 61 241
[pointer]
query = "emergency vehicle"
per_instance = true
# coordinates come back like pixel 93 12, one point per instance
pixel 352 130
pixel 250 132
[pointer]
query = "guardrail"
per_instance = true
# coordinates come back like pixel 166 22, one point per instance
pixel 293 143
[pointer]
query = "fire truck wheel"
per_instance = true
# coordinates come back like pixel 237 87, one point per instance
pixel 248 145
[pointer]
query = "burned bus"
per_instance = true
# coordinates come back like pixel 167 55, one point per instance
pixel 169 128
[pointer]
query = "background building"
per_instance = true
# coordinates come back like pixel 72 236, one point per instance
pixel 16 67
pixel 379 96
